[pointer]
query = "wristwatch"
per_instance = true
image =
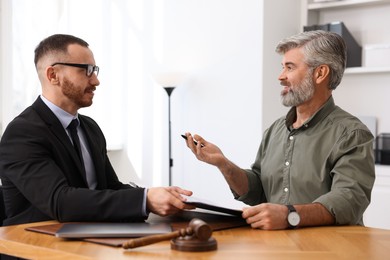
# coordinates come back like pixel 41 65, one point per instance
pixel 293 217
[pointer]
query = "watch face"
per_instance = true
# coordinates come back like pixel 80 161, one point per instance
pixel 293 218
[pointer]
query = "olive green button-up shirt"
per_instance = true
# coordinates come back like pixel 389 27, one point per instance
pixel 328 160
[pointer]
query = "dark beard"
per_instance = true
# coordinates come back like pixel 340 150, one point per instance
pixel 75 94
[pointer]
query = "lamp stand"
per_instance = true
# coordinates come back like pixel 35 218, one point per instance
pixel 169 91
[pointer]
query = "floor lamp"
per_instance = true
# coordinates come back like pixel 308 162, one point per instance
pixel 169 81
pixel 169 91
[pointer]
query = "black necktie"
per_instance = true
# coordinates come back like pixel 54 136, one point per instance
pixel 72 127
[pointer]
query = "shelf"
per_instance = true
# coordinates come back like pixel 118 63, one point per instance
pixel 344 3
pixel 367 70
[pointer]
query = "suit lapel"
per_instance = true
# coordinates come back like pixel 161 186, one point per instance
pixel 55 126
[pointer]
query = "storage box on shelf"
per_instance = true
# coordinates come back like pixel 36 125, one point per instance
pixel 368 20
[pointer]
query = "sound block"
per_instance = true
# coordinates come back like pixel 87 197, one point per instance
pixel 193 244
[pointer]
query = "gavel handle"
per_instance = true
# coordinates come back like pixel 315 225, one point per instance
pixel 144 241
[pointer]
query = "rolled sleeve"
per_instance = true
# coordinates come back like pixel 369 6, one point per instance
pixel 353 177
pixel 255 194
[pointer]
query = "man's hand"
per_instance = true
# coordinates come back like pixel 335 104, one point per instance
pixel 166 201
pixel 211 154
pixel 274 216
pixel 266 216
pixel 205 151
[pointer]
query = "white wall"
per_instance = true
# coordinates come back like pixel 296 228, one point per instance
pixel 222 99
pixel 218 44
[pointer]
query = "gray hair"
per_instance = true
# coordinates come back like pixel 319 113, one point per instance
pixel 319 48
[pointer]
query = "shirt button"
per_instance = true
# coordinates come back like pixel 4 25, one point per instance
pixel 291 137
pixel 287 163
pixel 285 189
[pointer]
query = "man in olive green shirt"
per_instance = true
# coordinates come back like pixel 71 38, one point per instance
pixel 316 165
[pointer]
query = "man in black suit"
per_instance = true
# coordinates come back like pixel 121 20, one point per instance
pixel 43 176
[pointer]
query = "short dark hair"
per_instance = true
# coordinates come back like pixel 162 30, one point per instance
pixel 56 43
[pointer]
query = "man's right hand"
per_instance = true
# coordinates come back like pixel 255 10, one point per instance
pixel 166 201
pixel 205 151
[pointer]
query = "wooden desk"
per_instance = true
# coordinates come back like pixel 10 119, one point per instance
pixel 347 242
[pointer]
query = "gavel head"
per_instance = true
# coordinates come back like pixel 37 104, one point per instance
pixel 201 229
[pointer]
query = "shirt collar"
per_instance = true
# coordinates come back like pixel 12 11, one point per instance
pixel 321 113
pixel 64 117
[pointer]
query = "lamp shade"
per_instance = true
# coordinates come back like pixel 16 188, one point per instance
pixel 169 79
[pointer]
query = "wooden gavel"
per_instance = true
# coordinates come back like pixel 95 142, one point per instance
pixel 197 229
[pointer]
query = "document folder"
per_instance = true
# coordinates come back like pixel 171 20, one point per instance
pixel 204 204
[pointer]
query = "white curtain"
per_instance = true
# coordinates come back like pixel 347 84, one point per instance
pixel 110 29
pixel 126 37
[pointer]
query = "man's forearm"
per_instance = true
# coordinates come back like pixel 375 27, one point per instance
pixel 314 214
pixel 235 177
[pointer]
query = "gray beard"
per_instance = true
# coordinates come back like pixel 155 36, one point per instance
pixel 299 94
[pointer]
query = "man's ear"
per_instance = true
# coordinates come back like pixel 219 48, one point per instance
pixel 321 73
pixel 51 75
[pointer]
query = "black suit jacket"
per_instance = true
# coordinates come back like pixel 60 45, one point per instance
pixel 42 176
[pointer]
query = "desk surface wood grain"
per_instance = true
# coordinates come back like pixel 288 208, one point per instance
pixel 345 242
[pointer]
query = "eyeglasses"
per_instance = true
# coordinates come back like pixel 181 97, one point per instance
pixel 88 67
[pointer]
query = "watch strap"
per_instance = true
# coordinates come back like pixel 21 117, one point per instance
pixel 291 208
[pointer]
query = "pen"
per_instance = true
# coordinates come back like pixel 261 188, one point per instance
pixel 195 142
